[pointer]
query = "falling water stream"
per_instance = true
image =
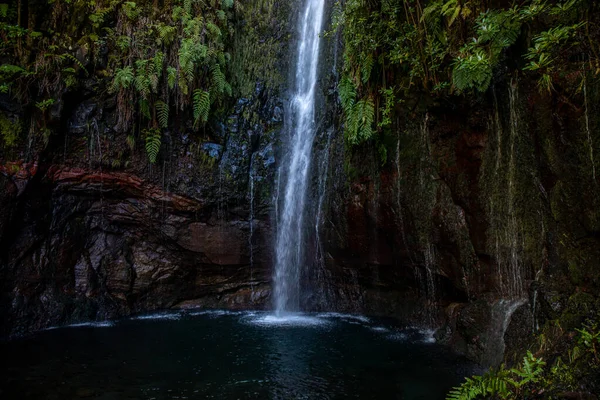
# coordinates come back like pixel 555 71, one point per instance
pixel 290 244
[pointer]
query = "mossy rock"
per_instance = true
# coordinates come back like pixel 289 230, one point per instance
pixel 580 307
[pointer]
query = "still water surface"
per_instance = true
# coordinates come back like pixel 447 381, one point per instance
pixel 230 355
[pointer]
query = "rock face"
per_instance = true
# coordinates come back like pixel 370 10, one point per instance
pixel 483 218
pixel 85 239
pixel 474 206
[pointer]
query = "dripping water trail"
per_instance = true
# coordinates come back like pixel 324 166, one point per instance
pixel 587 129
pixel 512 231
pixel 251 224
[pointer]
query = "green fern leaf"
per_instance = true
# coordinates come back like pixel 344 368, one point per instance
pixel 347 92
pixel 153 142
pixel 123 78
pixel 171 77
pixel 366 68
pixel 162 113
pixel 201 106
pixel 219 85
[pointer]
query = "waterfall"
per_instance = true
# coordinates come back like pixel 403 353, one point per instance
pixel 289 245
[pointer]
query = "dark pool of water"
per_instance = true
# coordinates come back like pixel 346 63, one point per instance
pixel 225 355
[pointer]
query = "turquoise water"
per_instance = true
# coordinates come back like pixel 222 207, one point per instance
pixel 228 355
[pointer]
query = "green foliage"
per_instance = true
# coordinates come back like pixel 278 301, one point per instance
pixel 162 113
pixel 45 104
pixel 359 122
pixel 589 338
pixel 9 130
pixel 153 142
pixel 258 45
pixel 396 50
pixel 201 106
pixel 124 78
pixel 533 379
pixel 501 383
pixel 473 71
pixel 149 54
pixel 542 56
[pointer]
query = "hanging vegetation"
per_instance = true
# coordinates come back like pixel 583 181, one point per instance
pixel 159 59
pixel 396 49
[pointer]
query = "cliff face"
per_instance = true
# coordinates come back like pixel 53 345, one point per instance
pixel 90 227
pixel 84 239
pixel 483 210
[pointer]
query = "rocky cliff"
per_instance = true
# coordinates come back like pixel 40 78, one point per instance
pixel 484 207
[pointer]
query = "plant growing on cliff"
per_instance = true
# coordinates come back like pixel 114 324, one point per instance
pixel 443 48
pixel 9 130
pixel 533 379
pixel 152 55
pixel 502 383
pixel 153 142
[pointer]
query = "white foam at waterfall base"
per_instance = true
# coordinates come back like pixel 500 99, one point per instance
pixel 288 319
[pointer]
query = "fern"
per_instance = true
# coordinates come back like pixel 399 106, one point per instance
pixel 158 61
pixel 171 77
pixel 227 3
pixel 162 113
pixel 347 92
pixel 218 84
pixel 473 71
pixel 201 106
pixel 186 58
pixel 213 29
pixel 153 142
pixel 530 372
pixel 359 122
pixel 366 68
pixel 123 78
pixel 166 34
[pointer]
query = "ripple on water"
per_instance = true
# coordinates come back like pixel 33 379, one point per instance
pixel 347 317
pixel 99 324
pixel 158 316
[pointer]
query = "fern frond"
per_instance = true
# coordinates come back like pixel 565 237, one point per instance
pixel 201 106
pixel 213 29
pixel 123 78
pixel 366 68
pixel 162 113
pixel 347 92
pixel 153 142
pixel 171 77
pixel 218 82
